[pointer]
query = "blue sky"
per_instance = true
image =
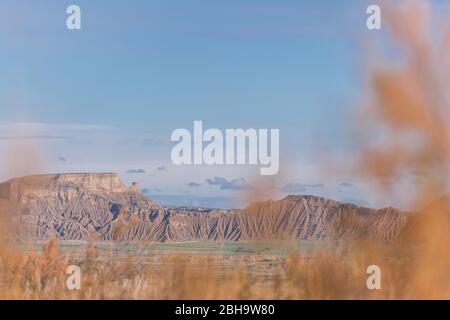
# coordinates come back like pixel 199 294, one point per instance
pixel 107 97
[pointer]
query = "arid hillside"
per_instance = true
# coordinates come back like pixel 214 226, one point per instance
pixel 101 207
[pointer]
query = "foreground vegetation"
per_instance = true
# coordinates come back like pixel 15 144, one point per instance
pixel 323 274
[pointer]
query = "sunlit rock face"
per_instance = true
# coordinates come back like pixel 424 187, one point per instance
pixel 73 206
pixel 100 206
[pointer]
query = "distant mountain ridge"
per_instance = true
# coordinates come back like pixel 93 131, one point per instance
pixel 99 206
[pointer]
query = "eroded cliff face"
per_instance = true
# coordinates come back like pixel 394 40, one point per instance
pixel 73 206
pixel 310 217
pixel 102 207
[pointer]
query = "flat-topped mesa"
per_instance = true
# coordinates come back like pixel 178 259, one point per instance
pixel 80 206
pixel 40 185
pixel 94 182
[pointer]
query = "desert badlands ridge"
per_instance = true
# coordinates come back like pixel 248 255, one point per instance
pixel 99 206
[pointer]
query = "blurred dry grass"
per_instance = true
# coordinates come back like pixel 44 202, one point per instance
pixel 323 275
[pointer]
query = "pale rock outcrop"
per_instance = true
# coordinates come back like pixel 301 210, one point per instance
pixel 101 207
